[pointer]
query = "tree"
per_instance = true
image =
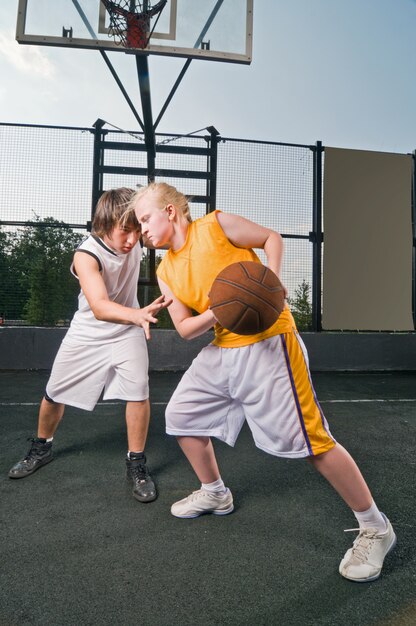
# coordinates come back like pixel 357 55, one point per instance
pixel 40 261
pixel 5 285
pixel 12 295
pixel 301 306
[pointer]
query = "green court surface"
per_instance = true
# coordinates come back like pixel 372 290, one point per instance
pixel 78 550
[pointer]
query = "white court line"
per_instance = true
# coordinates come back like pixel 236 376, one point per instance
pixel 368 400
pixel 357 401
pixel 37 403
pixel 98 403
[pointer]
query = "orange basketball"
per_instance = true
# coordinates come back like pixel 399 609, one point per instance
pixel 247 298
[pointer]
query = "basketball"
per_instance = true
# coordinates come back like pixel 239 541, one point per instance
pixel 247 298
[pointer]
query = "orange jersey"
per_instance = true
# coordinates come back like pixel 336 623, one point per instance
pixel 190 271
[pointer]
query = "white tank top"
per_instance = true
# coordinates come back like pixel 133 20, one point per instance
pixel 120 273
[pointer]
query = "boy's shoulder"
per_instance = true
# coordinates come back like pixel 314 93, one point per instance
pixel 83 241
pixel 93 243
pixel 209 218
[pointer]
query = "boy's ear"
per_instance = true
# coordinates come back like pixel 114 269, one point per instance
pixel 171 211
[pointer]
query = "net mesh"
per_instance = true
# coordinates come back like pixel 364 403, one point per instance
pixel 130 22
pixel 46 198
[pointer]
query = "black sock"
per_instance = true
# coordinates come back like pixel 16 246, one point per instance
pixel 136 456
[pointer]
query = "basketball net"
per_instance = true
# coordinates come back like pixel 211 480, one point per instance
pixel 128 28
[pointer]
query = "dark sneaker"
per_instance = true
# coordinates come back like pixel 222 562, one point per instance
pixel 40 453
pixel 144 489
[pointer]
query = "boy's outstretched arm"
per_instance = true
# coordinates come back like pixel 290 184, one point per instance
pixel 104 309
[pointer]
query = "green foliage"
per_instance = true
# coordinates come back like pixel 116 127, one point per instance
pixel 301 306
pixel 38 260
pixel 7 284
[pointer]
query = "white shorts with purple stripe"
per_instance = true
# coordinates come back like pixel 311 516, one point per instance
pixel 267 383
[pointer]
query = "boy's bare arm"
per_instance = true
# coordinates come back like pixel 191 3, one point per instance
pixel 105 309
pixel 188 326
pixel 246 234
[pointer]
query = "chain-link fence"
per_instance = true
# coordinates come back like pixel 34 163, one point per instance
pixel 47 192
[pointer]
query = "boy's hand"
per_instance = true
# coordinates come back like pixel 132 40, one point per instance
pixel 146 315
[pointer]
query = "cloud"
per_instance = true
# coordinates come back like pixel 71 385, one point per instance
pixel 25 58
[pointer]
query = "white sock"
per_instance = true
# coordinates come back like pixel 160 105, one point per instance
pixel 49 440
pixel 216 487
pixel 371 518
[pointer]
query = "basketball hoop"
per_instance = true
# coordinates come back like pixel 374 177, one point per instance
pixel 130 21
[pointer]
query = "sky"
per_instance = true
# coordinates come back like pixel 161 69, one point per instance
pixel 341 72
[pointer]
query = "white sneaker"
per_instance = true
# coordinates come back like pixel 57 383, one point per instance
pixel 201 502
pixel 364 561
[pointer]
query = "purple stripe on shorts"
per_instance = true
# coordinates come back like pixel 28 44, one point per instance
pixel 295 394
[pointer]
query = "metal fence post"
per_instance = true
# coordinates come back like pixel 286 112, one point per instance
pixel 317 238
pixel 212 141
pixel 97 176
pixel 414 238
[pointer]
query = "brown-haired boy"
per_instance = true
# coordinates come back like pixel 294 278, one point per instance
pixel 105 346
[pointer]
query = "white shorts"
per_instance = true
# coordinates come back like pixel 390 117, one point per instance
pixel 267 383
pixel 81 371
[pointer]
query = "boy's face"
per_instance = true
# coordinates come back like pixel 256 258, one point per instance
pixel 122 240
pixel 154 220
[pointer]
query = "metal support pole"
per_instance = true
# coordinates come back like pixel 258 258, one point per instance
pixel 172 91
pixel 149 136
pixel 149 131
pixel 317 238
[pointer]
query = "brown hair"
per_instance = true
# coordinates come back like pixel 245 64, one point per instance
pixel 167 194
pixel 111 212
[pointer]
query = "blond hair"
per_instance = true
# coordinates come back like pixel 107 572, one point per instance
pixel 111 211
pixel 166 194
